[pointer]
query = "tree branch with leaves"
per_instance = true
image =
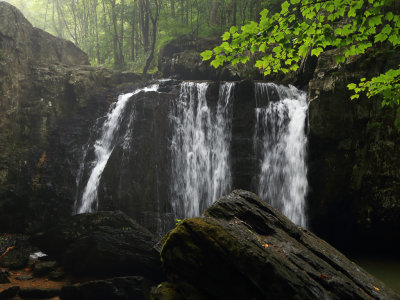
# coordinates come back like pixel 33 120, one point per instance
pixel 312 26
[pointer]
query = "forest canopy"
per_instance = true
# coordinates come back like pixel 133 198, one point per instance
pixel 310 27
pixel 120 33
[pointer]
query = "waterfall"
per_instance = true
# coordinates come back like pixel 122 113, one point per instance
pixel 280 144
pixel 200 148
pixel 185 141
pixel 108 137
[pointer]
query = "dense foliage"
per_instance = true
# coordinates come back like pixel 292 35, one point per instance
pixel 120 33
pixel 310 27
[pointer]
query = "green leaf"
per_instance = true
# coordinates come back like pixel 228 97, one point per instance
pixel 351 86
pixel 317 51
pixel 375 21
pixel 340 58
pixel 206 55
pixel 226 36
pixel 387 29
pixel 285 7
pixel 244 59
pixel 303 50
pixel 389 16
pixel 380 37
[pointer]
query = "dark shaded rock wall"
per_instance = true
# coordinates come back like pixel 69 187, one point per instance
pixel 49 97
pixel 137 181
pixel 353 157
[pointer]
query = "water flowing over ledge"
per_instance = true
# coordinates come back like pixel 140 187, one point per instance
pixel 280 143
pixel 103 148
pixel 179 151
pixel 200 148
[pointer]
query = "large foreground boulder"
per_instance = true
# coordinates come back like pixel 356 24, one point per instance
pixel 102 244
pixel 242 248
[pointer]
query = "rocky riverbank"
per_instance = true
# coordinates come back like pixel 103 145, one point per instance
pixel 240 248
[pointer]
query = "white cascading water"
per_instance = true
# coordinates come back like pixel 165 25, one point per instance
pixel 103 148
pixel 280 142
pixel 200 148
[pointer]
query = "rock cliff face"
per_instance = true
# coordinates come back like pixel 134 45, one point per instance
pixel 353 157
pixel 47 100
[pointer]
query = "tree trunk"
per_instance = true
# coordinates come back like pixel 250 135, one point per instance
pixel 45 16
pixel 75 21
pixel 133 28
pixel 154 19
pixel 258 17
pixel 234 13
pixel 173 8
pixel 96 32
pixel 214 13
pixel 121 36
pixel 117 63
pixel 182 11
pixel 144 9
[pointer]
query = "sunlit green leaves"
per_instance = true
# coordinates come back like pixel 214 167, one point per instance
pixel 316 51
pixel 351 26
pixel 226 36
pixel 206 55
pixel 285 7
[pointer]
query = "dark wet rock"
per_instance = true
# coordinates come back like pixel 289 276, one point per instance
pixel 166 291
pixel 16 258
pixel 25 277
pixel 38 292
pixel 353 157
pixel 14 251
pixel 9 293
pixel 102 244
pixel 42 268
pixel 4 277
pixel 242 248
pixel 119 288
pixel 56 275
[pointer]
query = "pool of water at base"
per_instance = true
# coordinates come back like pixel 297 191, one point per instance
pixel 386 270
